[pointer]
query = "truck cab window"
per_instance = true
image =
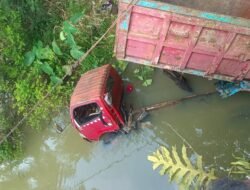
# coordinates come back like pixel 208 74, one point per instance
pixel 86 113
pixel 109 91
pixel 110 84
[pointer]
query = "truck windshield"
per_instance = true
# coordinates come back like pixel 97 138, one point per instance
pixel 86 113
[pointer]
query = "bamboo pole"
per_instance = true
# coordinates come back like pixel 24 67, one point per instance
pixel 170 103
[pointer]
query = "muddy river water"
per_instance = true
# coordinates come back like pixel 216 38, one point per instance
pixel 216 128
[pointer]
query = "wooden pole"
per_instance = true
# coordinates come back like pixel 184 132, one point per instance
pixel 170 103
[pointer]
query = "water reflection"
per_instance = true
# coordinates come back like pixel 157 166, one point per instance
pixel 24 166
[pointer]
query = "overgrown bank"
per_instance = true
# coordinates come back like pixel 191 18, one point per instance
pixel 39 40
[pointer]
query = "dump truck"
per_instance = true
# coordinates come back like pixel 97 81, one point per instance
pixel 204 38
pixel 199 37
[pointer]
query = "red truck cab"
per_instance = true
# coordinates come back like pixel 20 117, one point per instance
pixel 95 103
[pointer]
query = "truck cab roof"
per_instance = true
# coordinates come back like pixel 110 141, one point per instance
pixel 91 86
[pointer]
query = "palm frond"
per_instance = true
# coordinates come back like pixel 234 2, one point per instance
pixel 180 169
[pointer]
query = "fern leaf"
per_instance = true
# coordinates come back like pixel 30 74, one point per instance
pixel 241 166
pixel 185 157
pixel 189 182
pixel 175 176
pixel 180 169
pixel 211 177
pixel 159 155
pixel 242 163
pixel 199 163
pixel 183 176
pixel 152 159
pixel 156 165
pixel 201 179
pixel 165 152
pixel 239 172
pixel 164 169
pixel 176 157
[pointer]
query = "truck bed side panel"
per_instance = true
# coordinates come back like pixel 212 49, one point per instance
pixel 188 44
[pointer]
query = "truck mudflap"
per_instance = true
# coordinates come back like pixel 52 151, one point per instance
pixel 227 89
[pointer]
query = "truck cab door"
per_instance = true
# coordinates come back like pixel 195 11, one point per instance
pixel 88 120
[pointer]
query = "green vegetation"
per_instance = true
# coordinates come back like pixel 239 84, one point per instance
pixel 144 74
pixel 180 169
pixel 39 42
pixel 11 50
pixel 190 174
pixel 120 66
pixel 240 168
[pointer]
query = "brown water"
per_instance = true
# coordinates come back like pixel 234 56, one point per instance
pixel 216 128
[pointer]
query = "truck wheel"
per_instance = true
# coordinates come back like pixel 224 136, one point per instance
pixel 179 80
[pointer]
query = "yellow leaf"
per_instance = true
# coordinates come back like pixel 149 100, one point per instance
pixel 156 165
pixel 152 159
pixel 176 157
pixel 185 157
pixel 199 163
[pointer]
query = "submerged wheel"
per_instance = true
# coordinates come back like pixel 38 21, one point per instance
pixel 107 138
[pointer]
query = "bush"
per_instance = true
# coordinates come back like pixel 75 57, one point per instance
pixel 40 40
pixel 11 53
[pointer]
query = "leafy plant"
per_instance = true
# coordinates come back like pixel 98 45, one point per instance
pixel 39 42
pixel 240 167
pixel 11 51
pixel 12 147
pixel 67 35
pixel 180 169
pixel 44 57
pixel 120 66
pixel 47 56
pixel 144 73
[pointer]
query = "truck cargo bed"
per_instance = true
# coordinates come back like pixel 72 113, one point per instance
pixel 235 8
pixel 199 37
